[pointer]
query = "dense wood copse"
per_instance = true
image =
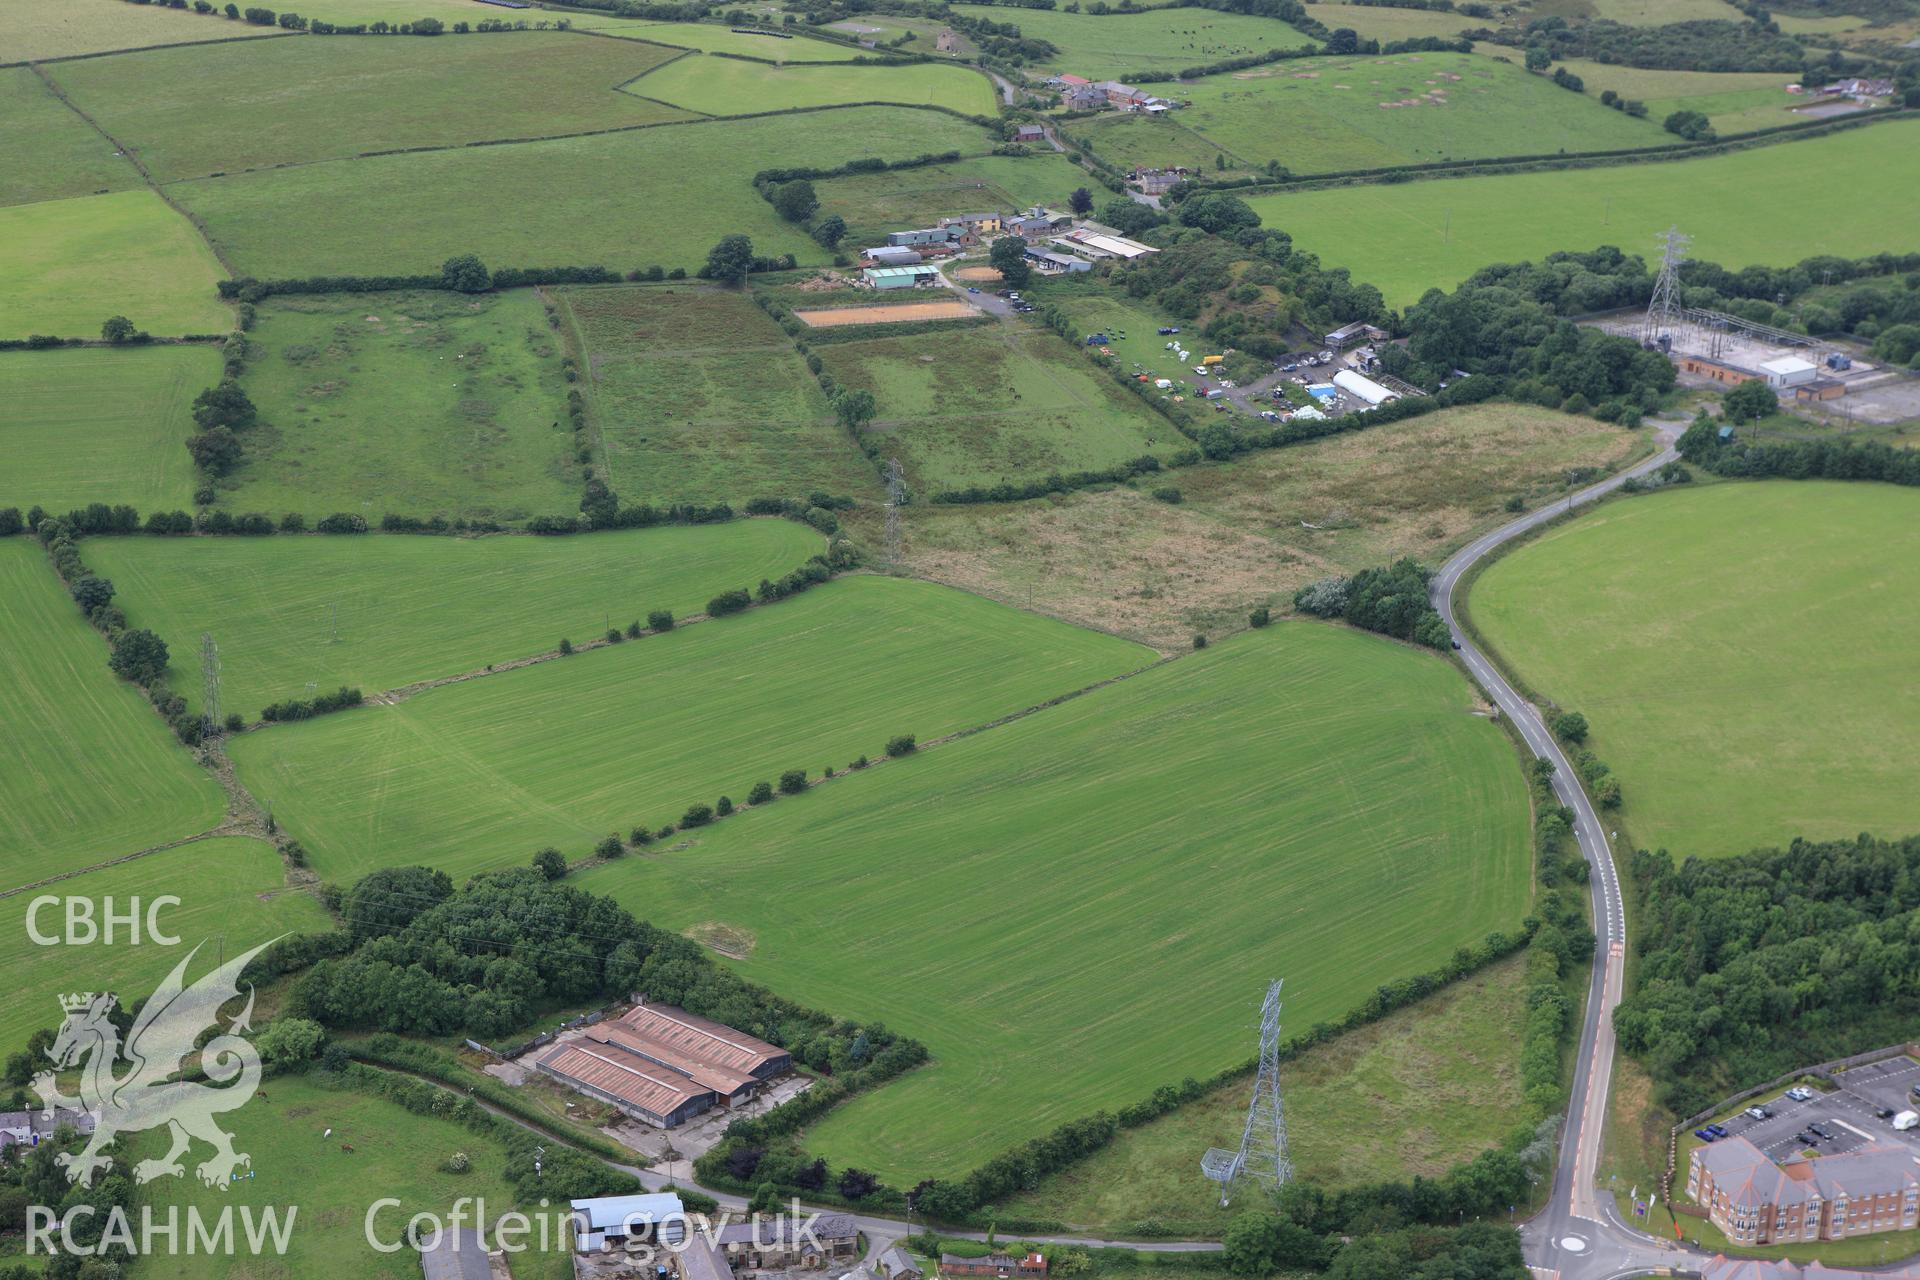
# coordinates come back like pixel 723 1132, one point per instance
pixel 1391 601
pixel 1797 459
pixel 1752 966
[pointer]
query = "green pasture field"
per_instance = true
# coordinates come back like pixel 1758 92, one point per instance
pixel 91 425
pixel 232 895
pixel 93 773
pixel 731 87
pixel 1398 238
pixel 1114 45
pixel 1323 115
pixel 713 37
pixel 1781 700
pixel 350 12
pixel 378 1149
pixel 419 404
pixel 47 152
pixel 479 775
pixel 1379 23
pixel 35 30
pixel 329 98
pixel 892 26
pixel 1179 837
pixel 876 203
pixel 1736 101
pixel 410 213
pixel 66 265
pixel 373 612
pixel 992 403
pixel 1640 13
pixel 1838 24
pixel 1447 1070
pixel 697 395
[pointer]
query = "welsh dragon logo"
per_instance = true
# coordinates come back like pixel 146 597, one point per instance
pixel 145 1095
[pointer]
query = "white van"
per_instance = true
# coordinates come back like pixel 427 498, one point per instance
pixel 1906 1120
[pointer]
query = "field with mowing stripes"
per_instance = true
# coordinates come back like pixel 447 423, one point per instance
pixel 47 152
pixel 1377 22
pixel 376 1148
pixel 1743 652
pixel 1409 237
pixel 1175 839
pixel 307 100
pixel 319 219
pixel 419 404
pixel 1114 45
pixel 374 612
pixel 730 87
pixel 713 37
pixel 92 772
pixel 66 265
pixel 80 426
pixel 482 774
pixel 696 395
pixel 992 403
pixel 1323 115
pixel 232 893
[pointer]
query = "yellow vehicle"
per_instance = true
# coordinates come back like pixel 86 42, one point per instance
pixel 1212 359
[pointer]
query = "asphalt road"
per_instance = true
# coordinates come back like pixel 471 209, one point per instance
pixel 1578 1236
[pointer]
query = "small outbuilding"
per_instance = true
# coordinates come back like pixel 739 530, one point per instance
pixel 616 1221
pixel 900 277
pixel 1789 371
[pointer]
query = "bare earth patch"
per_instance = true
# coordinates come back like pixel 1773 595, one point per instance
pixel 887 315
pixel 1252 531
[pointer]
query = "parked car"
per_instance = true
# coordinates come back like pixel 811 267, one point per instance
pixel 973 288
pixel 1706 1135
pixel 1800 1093
pixel 1906 1120
pixel 1883 1113
pixel 1759 1113
pixel 1807 1139
pixel 1717 1130
pixel 1818 1132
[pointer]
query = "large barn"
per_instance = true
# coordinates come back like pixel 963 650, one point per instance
pixel 664 1065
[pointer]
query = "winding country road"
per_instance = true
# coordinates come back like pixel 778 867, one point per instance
pixel 1578 1236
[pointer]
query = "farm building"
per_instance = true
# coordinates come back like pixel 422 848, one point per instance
pixel 900 277
pixel 1123 96
pixel 1156 182
pixel 922 236
pixel 888 255
pixel 946 41
pixel 974 226
pixel 1083 97
pixel 1089 243
pixel 1002 1266
pixel 614 1221
pixel 1047 262
pixel 1029 133
pixel 1356 384
pixel 1067 82
pixel 779 1243
pixel 1348 334
pixel 664 1065
pixel 1037 223
pixel 897 1264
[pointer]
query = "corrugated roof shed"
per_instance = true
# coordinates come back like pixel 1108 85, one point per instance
pixel 622 1075
pixel 702 1037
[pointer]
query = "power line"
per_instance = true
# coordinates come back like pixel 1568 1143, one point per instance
pixel 1262 1156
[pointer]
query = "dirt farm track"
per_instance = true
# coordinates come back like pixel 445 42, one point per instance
pixel 887 315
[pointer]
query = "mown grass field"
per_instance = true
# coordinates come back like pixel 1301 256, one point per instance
pixel 232 894
pixel 90 425
pixel 876 203
pixel 992 403
pixel 410 213
pixel 1325 115
pixel 482 774
pixel 1419 1091
pixel 93 773
pixel 377 1149
pixel 34 30
pixel 1398 237
pixel 66 265
pixel 1155 850
pixel 1113 45
pixel 1158 572
pixel 1735 101
pixel 46 151
pixel 406 608
pixel 1376 22
pixel 713 37
pixel 696 395
pixel 1740 651
pixel 324 99
pixel 412 403
pixel 731 87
